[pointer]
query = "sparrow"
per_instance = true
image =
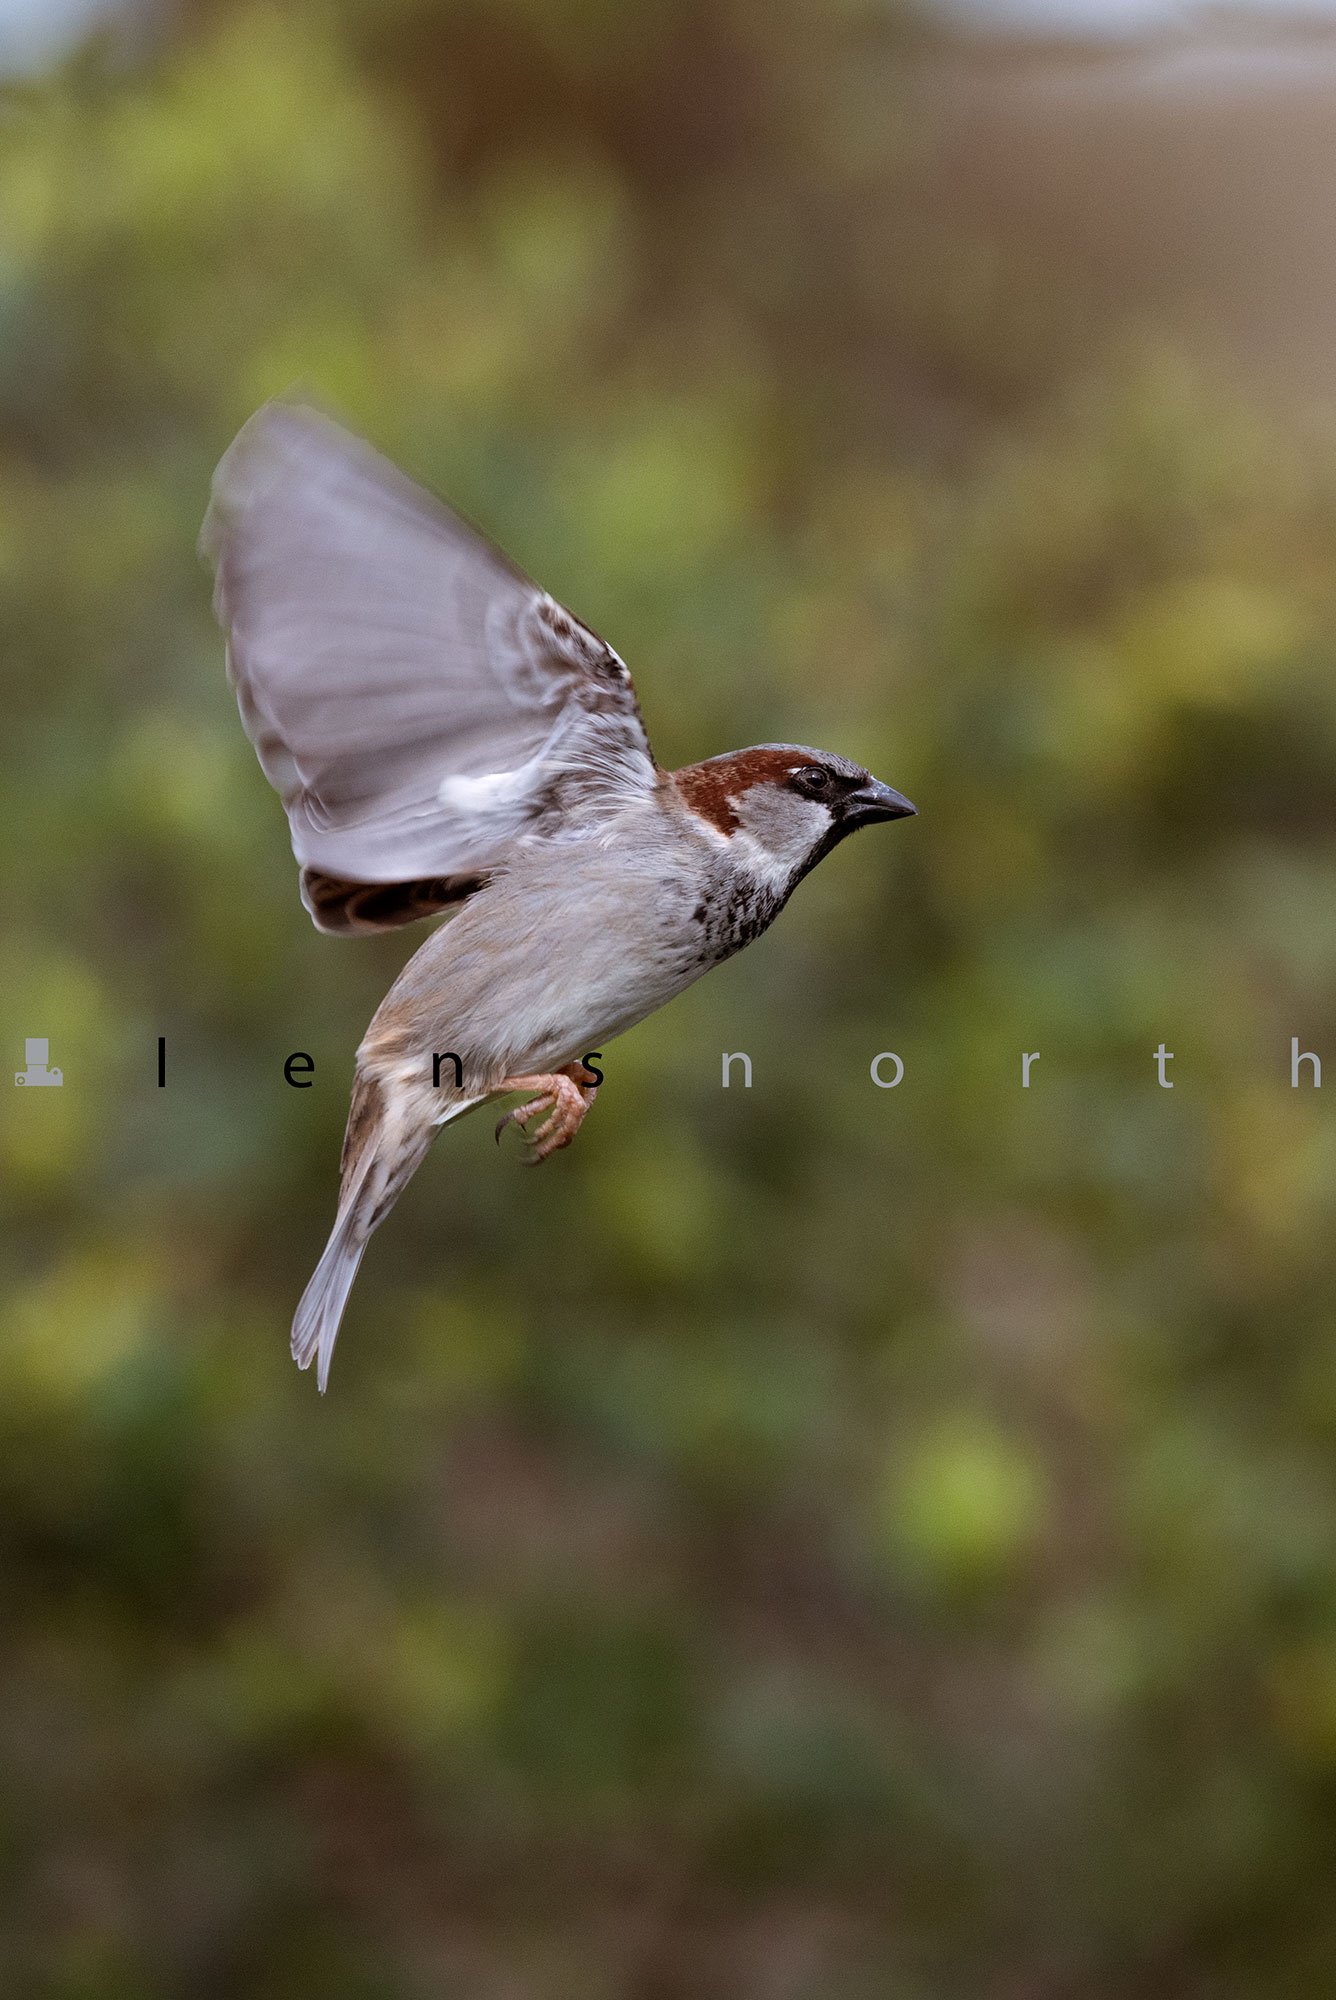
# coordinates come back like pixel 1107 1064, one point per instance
pixel 445 737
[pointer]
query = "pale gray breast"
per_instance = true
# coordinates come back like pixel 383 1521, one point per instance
pixel 564 946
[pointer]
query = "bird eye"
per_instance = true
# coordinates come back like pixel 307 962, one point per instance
pixel 811 778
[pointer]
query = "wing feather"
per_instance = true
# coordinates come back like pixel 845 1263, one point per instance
pixel 417 702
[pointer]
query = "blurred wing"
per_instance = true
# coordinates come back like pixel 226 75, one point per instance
pixel 417 702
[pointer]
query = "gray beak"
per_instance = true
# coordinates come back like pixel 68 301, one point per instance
pixel 874 801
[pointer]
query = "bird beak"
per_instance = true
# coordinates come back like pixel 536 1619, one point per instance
pixel 874 801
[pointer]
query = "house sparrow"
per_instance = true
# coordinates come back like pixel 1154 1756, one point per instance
pixel 442 733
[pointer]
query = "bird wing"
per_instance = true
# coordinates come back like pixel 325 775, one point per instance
pixel 417 702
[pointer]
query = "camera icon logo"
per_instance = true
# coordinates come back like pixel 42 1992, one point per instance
pixel 36 1048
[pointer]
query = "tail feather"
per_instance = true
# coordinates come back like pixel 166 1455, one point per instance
pixel 315 1326
pixel 378 1161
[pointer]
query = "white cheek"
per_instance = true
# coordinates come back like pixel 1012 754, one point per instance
pixel 781 826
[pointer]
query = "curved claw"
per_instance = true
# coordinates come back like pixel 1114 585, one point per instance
pixel 520 1115
pixel 565 1095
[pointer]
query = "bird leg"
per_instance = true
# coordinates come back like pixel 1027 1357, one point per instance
pixel 566 1094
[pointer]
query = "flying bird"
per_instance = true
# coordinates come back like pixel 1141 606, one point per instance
pixel 444 736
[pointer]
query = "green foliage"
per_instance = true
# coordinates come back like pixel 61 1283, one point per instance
pixel 817 1541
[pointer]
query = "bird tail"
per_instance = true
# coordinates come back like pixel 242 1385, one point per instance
pixel 379 1159
pixel 315 1326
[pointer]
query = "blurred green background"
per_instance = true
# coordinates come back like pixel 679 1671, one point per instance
pixel 808 1543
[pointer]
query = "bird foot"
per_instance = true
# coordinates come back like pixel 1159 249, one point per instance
pixel 565 1094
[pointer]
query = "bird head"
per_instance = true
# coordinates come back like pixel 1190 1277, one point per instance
pixel 783 806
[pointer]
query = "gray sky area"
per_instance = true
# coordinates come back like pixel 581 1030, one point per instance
pixel 1114 18
pixel 34 32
